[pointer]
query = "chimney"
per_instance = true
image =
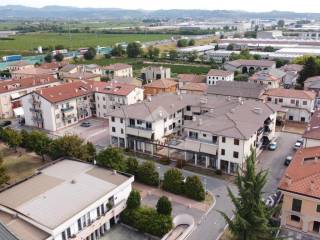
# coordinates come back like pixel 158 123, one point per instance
pixel 97 89
pixel 288 180
pixel 149 97
pixel 200 122
pixel 312 186
pixel 194 118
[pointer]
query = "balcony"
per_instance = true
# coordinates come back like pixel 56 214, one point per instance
pixel 139 132
pixel 67 117
pixel 67 109
pixel 35 110
pixel 37 118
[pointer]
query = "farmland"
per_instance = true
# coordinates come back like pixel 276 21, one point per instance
pixel 73 40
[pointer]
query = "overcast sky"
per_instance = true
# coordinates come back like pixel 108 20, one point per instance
pixel 249 5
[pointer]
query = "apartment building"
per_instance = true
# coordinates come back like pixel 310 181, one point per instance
pixel 65 200
pixel 20 65
pixel 61 106
pixel 160 86
pixel 77 76
pixel 117 70
pixel 301 196
pixel 32 72
pixel 68 69
pixel 313 84
pixel 215 75
pixel 249 66
pixel 271 78
pixel 11 90
pixel 208 131
pixel 298 103
pixel 312 132
pixel 151 73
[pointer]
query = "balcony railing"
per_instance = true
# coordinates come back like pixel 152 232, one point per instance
pixel 35 110
pixel 202 140
pixel 67 109
pixel 140 128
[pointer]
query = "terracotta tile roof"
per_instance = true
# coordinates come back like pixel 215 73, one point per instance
pixel 82 88
pixel 117 66
pixel 268 75
pixel 200 87
pixel 34 71
pixel 303 174
pixel 313 79
pixel 80 75
pixel 161 83
pixel 194 78
pixel 291 93
pixel 53 65
pixel 292 68
pixel 313 129
pixel 16 84
pixel 217 72
pixel 258 63
pixel 21 63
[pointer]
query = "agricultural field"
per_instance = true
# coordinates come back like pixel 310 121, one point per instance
pixel 25 42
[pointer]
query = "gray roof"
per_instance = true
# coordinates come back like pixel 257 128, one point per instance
pixel 5 234
pixel 68 68
pixel 237 89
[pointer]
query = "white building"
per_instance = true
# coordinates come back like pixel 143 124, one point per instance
pixel 312 131
pixel 148 74
pixel 61 106
pixel 67 199
pixel 249 66
pixel 19 65
pixel 117 70
pixel 299 103
pixel 269 34
pixel 209 131
pixel 215 75
pixel 11 90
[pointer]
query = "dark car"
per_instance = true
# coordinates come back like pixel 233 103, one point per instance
pixel 85 124
pixel 288 161
pixel 5 123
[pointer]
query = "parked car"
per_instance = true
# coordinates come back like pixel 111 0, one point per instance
pixel 288 160
pixel 297 145
pixel 273 199
pixel 5 123
pixel 85 124
pixel 273 146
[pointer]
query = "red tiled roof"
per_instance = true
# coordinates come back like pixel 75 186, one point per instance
pixel 313 129
pixel 200 87
pixel 291 93
pixel 80 75
pixel 303 174
pixel 217 72
pixel 53 65
pixel 82 88
pixel 21 63
pixel 16 84
pixel 195 78
pixel 161 83
pixel 34 71
pixel 117 66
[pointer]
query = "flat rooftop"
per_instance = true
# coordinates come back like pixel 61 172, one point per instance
pixel 60 191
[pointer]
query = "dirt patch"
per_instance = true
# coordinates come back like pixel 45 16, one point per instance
pixel 295 127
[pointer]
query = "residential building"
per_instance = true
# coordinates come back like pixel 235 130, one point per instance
pixel 245 90
pixel 77 76
pixel 298 103
pixel 127 80
pixel 68 69
pixel 151 73
pixel 92 68
pixel 11 90
pixel 271 78
pixel 249 66
pixel 117 70
pixel 215 75
pixel 64 105
pixel 67 199
pixel 184 79
pixel 32 72
pixel 313 84
pixel 194 88
pixel 312 133
pixel 301 195
pixel 20 65
pixel 208 131
pixel 54 66
pixel 160 86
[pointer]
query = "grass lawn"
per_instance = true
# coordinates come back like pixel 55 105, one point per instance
pixel 19 167
pixel 74 40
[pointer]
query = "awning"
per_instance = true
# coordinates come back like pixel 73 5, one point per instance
pixel 15 95
pixel 18 112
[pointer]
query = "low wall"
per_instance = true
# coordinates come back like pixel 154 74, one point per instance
pixel 182 219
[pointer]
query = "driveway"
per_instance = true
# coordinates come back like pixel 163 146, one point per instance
pixel 273 161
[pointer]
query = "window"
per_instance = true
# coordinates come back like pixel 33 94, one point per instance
pixel 316 226
pixel 113 129
pixel 295 218
pixel 236 141
pixel 139 122
pixel 57 116
pixel 304 102
pixel 292 101
pixel 121 120
pixel 204 135
pixel 193 135
pixel 236 154
pixel 280 100
pixel 132 122
pixel 104 107
pixel 223 152
pixel 165 119
pixel 63 235
pixel 296 205
pixel 214 139
pixel 188 108
pixel 122 131
pixel 269 99
pixel 318 208
pixel 112 119
pixel 149 125
pixel 223 139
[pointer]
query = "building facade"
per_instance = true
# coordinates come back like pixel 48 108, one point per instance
pixel 214 76
pixel 151 73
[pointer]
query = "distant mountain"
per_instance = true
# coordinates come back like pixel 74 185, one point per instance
pixel 60 12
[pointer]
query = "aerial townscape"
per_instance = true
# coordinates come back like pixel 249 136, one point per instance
pixel 137 121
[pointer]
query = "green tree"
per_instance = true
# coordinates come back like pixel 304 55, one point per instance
pixel 281 23
pixel 193 188
pixel 192 56
pixel 164 206
pixel 269 49
pixel 252 217
pixel 134 200
pixel 147 174
pixel 91 152
pixel 153 52
pixel 310 69
pixel 134 50
pixel 182 43
pixel 48 58
pixel 4 177
pixel 173 181
pixel 173 54
pixel 118 51
pixel 90 53
pixel 132 166
pixel 26 143
pixel 112 158
pixel 230 47
pixel 59 47
pixel 40 143
pixel 59 57
pixel 192 42
pixel 12 137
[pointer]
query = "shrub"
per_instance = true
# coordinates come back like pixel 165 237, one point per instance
pixel 132 166
pixel 218 172
pixel 164 206
pixel 12 137
pixel 147 174
pixel 194 189
pixel 133 200
pixel 112 158
pixel 165 161
pixel 173 181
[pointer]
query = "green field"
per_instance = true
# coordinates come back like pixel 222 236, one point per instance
pixel 74 40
